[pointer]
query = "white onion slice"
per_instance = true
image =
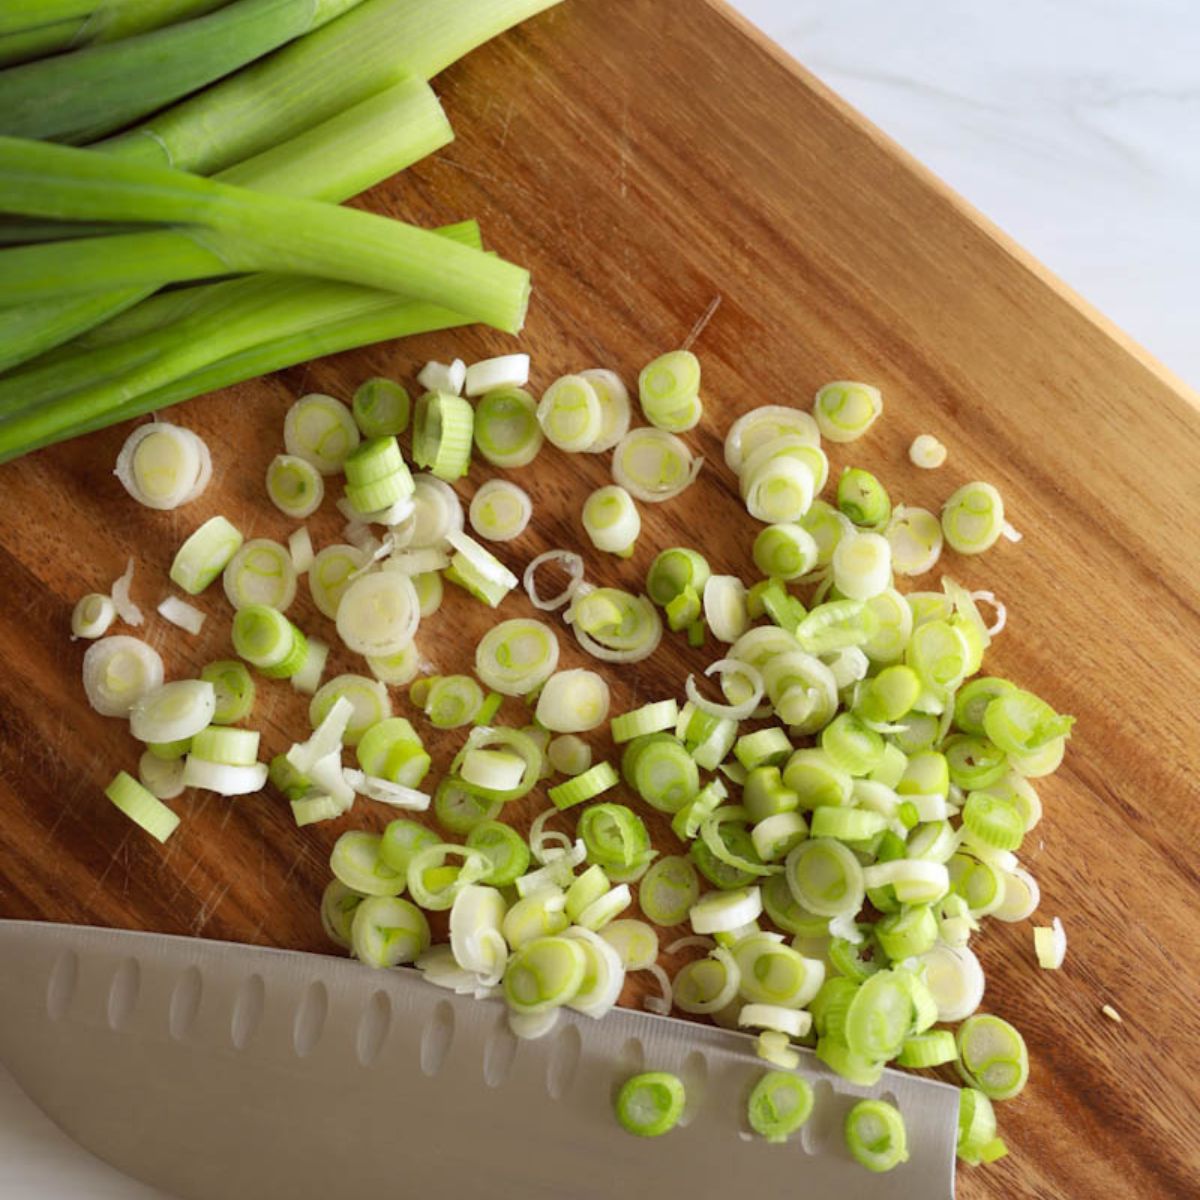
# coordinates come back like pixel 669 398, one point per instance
pixel 308 678
pixel 117 672
pixel 300 547
pixel 615 409
pixel 1021 896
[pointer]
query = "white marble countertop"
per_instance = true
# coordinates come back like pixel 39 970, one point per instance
pixel 1073 124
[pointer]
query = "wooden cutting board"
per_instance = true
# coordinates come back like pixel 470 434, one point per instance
pixel 654 162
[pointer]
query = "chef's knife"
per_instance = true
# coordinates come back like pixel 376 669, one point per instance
pixel 225 1072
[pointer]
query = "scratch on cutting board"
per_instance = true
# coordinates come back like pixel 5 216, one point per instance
pixel 208 908
pixel 508 116
pixel 701 324
pixel 104 874
pixel 184 881
pixel 623 149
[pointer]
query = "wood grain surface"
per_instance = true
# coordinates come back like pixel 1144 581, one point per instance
pixel 647 158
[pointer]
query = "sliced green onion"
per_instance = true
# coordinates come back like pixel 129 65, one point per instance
pixel 573 701
pixel 994 820
pixel 926 452
pixel 369 704
pixel 719 912
pixel 338 905
pixel 173 711
pixel 931 1049
pixel 491 771
pixel 668 890
pixel 453 701
pixel 606 908
pixel 437 513
pixel 674 571
pixel 725 607
pixel 233 747
pixel 544 973
pixel 1050 945
pixel 300 548
pixel 331 573
pixel 294 486
pixel 826 878
pixel 506 851
pixel 862 565
pixel 763 426
pixel 515 744
pixel 915 536
pixel 500 511
pixel 764 747
pixel 992 1057
pixel 320 430
pixel 973 518
pixel 976 1124
pixel 615 626
pixel 827 526
pixel 664 774
pixel 611 520
pixel 357 860
pixel 161 777
pixel 614 407
pixel 435 885
pixel 634 941
pixel 378 614
pixel 261 573
pixel 387 931
pixel 204 555
pixel 1021 724
pixel 863 498
pixel 615 835
pixel 569 755
pixel 443 428
pixel 650 1104
pixel 401 842
pixel 875 1135
pixel 267 640
pixel 1021 896
pixel 816 779
pixel 653 465
pixel 93 616
pixel 380 408
pixel 837 624
pixel 650 718
pixel 846 824
pixel 459 810
pixel 774 974
pixel 478 571
pixel 517 657
pixel 569 413
pixel 789 1021
pixel 669 389
pixel 442 377
pixel 778 487
pixel 507 432
pixel 390 749
pixel 399 668
pixel 585 786
pixel 141 807
pixel 785 551
pixel 779 1105
pixel 956 980
pixel 846 410
pixel 764 795
pixel 917 881
pixel 163 466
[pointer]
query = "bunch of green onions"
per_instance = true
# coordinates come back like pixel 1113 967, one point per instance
pixel 182 142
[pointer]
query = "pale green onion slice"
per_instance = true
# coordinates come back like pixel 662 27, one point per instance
pixel 665 774
pixel 1021 724
pixel 605 908
pixel 764 426
pixel 93 616
pixel 492 770
pixel 173 711
pixel 789 1021
pixel 387 931
pixel 434 884
pixel 955 978
pixel 826 878
pixel 573 701
pixel 611 520
pixel 453 701
pixel 845 410
pixel 163 466
pixel 650 1104
pixel 234 747
pixel 294 486
pixel 1050 944
pixel 614 407
pixel 773 973
pixel 574 568
pixel 307 677
pixel 653 465
pixel 973 518
pixel 338 906
pixel 917 881
pixel 397 669
pixel 443 377
pixel 569 413
pixel 437 512
pixel 724 837
pixel 141 807
pixel 720 912
pixel 267 640
pixel 500 511
pixel 675 571
pixel 708 985
pixel 222 779
pixel 368 699
pixel 300 547
pixel 817 780
pixel 186 616
pixel 915 536
pixel 320 430
pixel 992 1057
pixel 161 777
pixel 725 607
pixel 331 573
pixel 932 1049
pixel 751 693
pixel 894 628
pixel 476 941
pixel 862 565
pixel 460 810
pixel 863 498
pixel 669 389
pixel 386 792
pixel 402 840
pixel 650 718
pixel 204 555
pixel 926 452
pixel 939 653
pixel 507 432
pixel 779 1105
pixel 635 942
pixel 1021 896
pixel 668 890
pixel 261 572
pixel 776 836
pixel 569 755
pixel 506 851
pixel 773 1047
pixel 378 614
pixel 443 429
pixel 615 626
pixel 517 657
pixel 513 742
pixel 234 689
pixel 545 973
pixel 875 1135
pixel 478 571
pixel 785 551
pixel 585 889
pixel 778 489
pixel 127 610
pixel 827 526
pixel 437 966
pixel 508 370
pixel 603 978
pixel 380 408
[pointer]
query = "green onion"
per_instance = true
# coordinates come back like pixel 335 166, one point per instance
pixel 322 431
pixel 267 640
pixel 569 413
pixel 992 1057
pixel 725 854
pixel 765 796
pixel 93 616
pixel 453 701
pixel 669 391
pixel 614 407
pixel 875 1135
pixel 569 754
pixel 294 486
pixel 668 890
pixel 845 410
pixel 369 704
pixel 331 573
pixel 785 551
pixel 500 511
pixel 585 786
pixel 1021 724
pixel 673 571
pixel 357 860
pixel 973 518
pixel 172 711
pixel 634 941
pixel 515 745
pixel 141 807
pixel 976 1124
pixel 390 749
pixel 478 571
pixel 380 408
pixel 611 520
pixel 779 1105
pixel 459 811
pixel 163 466
pixel 517 657
pixel 926 452
pixel 778 486
pixel 338 905
pixel 387 931
pixel 915 537
pixel 378 614
pixel 573 701
pixel 204 555
pixel 615 835
pixel 764 426
pixel 260 573
pixel 664 774
pixel 506 430
pixel 650 718
pixel 863 498
pixel 506 851
pixel 615 626
pixel 653 465
pixel 433 884
pixel 650 1104
pixel 826 878
pixel 544 973
pixel 775 974
pixel 994 820
pixel 862 565
pixel 401 842
pixel 1050 945
pixel 443 427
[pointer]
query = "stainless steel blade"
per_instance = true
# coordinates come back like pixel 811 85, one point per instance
pixel 222 1072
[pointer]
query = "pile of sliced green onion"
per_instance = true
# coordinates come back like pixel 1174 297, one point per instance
pixel 847 792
